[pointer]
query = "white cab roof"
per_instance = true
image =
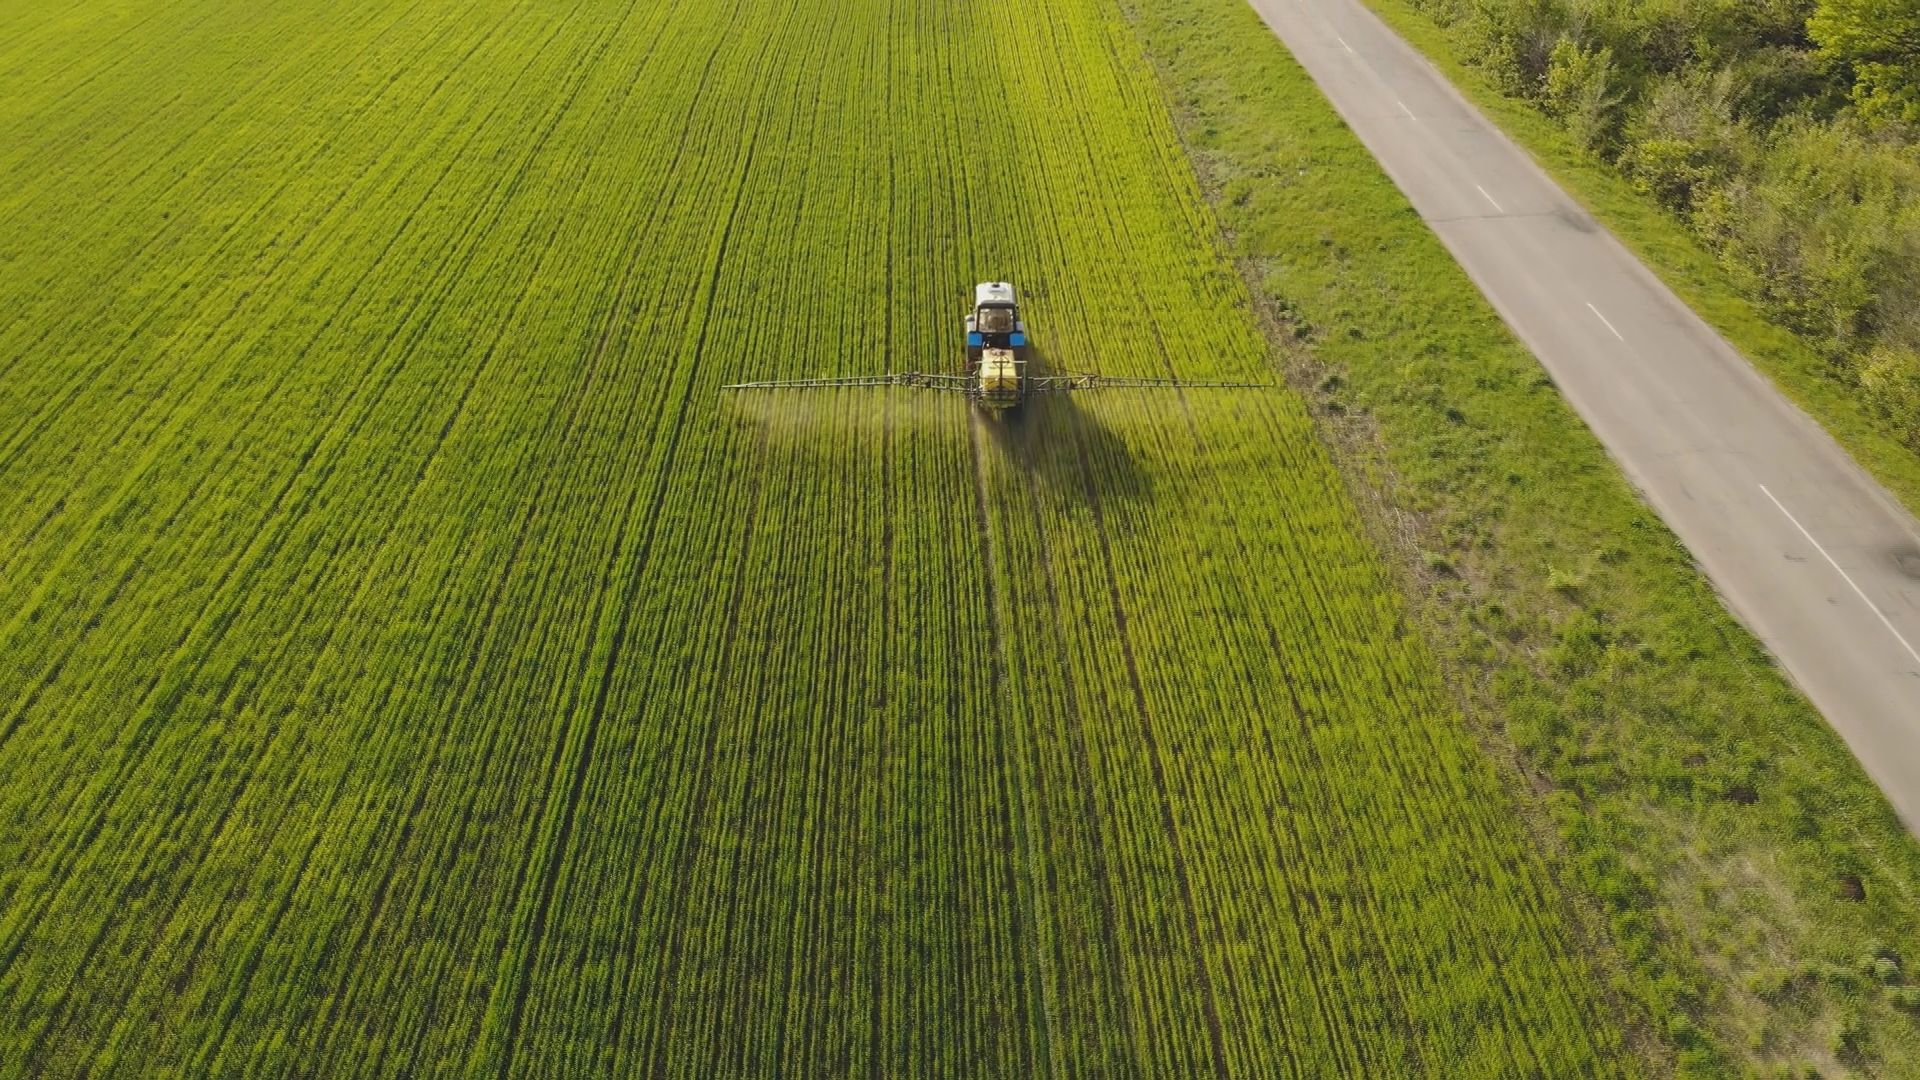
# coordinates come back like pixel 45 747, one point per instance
pixel 992 292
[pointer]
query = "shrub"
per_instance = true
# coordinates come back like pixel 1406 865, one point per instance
pixel 1890 381
pixel 1579 89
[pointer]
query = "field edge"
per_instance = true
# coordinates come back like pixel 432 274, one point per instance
pixel 1677 258
pixel 1546 607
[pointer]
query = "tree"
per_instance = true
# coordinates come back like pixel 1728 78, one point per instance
pixel 1880 40
pixel 1578 88
pixel 1890 380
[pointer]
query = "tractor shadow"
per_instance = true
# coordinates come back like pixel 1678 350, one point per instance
pixel 1067 446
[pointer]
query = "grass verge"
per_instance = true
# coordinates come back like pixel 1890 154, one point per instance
pixel 1678 258
pixel 1758 895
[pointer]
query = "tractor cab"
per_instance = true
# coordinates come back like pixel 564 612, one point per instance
pixel 995 320
pixel 996 344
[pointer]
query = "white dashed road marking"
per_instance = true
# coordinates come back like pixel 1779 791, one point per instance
pixel 1844 576
pixel 1603 318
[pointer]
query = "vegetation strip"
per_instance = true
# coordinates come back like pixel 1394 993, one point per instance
pixel 1758 891
pixel 412 664
pixel 1718 143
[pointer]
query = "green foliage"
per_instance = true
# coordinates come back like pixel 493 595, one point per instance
pixel 1735 116
pixel 1515 38
pixel 1674 171
pixel 1825 227
pixel 1579 89
pixel 1686 141
pixel 1891 380
pixel 412 663
pixel 1736 860
pixel 1880 41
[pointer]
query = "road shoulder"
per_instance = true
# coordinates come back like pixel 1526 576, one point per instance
pixel 1677 258
pixel 1755 889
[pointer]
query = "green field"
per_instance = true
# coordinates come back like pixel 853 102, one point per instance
pixel 1753 880
pixel 412 662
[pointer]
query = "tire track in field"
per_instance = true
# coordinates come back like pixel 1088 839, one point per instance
pixel 1329 1010
pixel 236 231
pixel 1264 411
pixel 751 717
pixel 494 351
pixel 424 777
pixel 1196 940
pixel 754 728
pixel 1076 732
pixel 667 979
pixel 94 831
pixel 446 281
pixel 488 620
pixel 616 311
pixel 876 988
pixel 128 263
pixel 660 206
pixel 1034 1019
pixel 520 975
pixel 760 742
pixel 143 737
pixel 488 630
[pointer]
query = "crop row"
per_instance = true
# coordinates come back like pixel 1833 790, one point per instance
pixel 413 662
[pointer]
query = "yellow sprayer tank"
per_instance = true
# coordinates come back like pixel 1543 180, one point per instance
pixel 999 378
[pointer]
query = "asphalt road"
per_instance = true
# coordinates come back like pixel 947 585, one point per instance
pixel 1804 547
